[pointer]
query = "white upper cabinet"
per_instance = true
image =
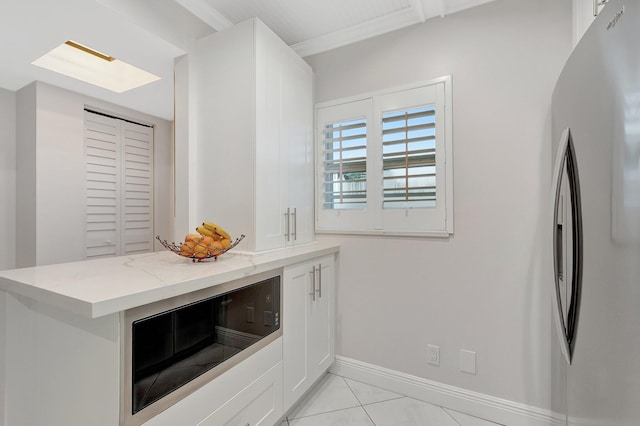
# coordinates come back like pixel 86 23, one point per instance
pixel 253 131
pixel 584 12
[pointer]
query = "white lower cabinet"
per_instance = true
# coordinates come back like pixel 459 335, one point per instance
pixel 262 388
pixel 250 393
pixel 260 403
pixel 308 321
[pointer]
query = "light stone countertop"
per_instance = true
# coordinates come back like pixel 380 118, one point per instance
pixel 94 288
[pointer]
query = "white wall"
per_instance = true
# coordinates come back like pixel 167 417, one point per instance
pixel 7 178
pixel 7 214
pixel 52 175
pixel 485 288
pixel 53 354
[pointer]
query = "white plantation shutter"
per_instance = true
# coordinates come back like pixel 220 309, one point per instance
pixel 119 179
pixel 409 158
pixel 345 165
pixel 385 162
pixel 342 175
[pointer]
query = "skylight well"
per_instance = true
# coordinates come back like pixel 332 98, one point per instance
pixel 91 66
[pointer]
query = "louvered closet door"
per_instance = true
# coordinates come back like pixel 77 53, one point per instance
pixel 102 155
pixel 119 159
pixel 137 206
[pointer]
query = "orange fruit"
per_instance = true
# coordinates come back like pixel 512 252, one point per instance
pixel 215 248
pixel 187 249
pixel 201 250
pixel 226 243
pixel 192 237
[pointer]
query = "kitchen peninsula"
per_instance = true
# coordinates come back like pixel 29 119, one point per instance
pixel 66 347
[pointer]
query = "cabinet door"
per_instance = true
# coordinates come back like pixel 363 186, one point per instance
pixel 256 405
pixel 308 321
pixel 320 321
pixel 297 140
pixel 295 312
pixel 271 158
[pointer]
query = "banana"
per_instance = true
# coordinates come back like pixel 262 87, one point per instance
pixel 205 232
pixel 212 227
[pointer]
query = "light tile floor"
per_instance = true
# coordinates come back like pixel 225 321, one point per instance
pixel 337 401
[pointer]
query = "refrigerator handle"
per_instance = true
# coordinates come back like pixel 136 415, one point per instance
pixel 558 234
pixel 577 238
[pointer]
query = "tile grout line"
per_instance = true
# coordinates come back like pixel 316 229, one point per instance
pixel 320 414
pixel 449 414
pixel 287 421
pixel 360 402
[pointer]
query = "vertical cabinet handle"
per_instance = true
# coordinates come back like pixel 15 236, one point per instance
pixel 294 216
pixel 287 216
pixel 597 4
pixel 313 283
pixel 291 231
pixel 319 280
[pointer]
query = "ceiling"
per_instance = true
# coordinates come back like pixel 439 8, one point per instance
pixel 150 34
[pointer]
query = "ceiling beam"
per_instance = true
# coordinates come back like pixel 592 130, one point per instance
pixel 206 13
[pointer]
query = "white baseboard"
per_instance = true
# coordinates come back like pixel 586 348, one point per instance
pixel 488 407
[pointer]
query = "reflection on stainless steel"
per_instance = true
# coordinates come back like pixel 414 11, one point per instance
pixel 598 96
pixel 626 172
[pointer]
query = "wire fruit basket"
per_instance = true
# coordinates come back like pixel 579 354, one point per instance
pixel 201 256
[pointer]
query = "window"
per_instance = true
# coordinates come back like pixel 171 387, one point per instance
pixel 384 162
pixel 345 167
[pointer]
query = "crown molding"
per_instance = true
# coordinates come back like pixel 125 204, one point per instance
pixel 384 24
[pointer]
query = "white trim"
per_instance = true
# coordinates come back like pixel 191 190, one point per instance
pixel 206 13
pixel 384 24
pixel 469 402
pixel 354 98
pixel 443 8
pixel 454 8
pixel 416 5
pixel 448 125
pixel 381 233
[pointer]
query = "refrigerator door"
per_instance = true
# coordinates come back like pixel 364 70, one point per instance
pixel 598 98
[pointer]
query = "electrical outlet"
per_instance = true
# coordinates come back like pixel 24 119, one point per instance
pixel 433 354
pixel 467 361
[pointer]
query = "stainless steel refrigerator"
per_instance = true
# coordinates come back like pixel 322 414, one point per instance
pixel 596 224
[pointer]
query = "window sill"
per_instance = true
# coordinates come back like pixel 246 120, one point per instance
pixel 383 233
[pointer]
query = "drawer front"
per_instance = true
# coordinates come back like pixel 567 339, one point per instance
pixel 260 403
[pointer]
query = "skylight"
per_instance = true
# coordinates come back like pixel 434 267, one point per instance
pixel 83 63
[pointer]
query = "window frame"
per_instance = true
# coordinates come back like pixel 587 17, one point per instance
pixel 374 219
